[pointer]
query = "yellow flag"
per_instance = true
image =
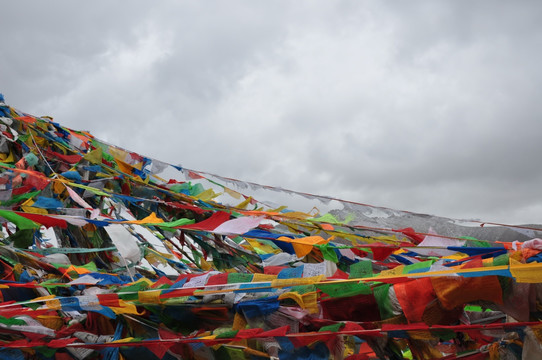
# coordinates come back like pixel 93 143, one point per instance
pixel 206 195
pixel 261 248
pixel 204 265
pixel 278 283
pixel 7 158
pixel 525 273
pixel 234 194
pixel 124 167
pixel 149 296
pixel 244 204
pixel 263 277
pixel 398 270
pixel 308 301
pixel 94 156
pixel 151 219
pixel 126 308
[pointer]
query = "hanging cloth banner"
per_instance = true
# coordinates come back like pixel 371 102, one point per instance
pixel 209 224
pixel 45 220
pixel 20 221
pixel 238 226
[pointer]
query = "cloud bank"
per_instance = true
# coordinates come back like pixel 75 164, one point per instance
pixel 424 106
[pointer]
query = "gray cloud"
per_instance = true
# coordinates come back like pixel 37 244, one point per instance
pixel 423 106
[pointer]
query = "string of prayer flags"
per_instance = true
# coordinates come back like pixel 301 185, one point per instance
pixel 101 258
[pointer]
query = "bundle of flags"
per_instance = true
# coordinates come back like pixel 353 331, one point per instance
pixel 101 257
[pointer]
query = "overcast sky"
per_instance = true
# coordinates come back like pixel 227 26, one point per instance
pixel 427 106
